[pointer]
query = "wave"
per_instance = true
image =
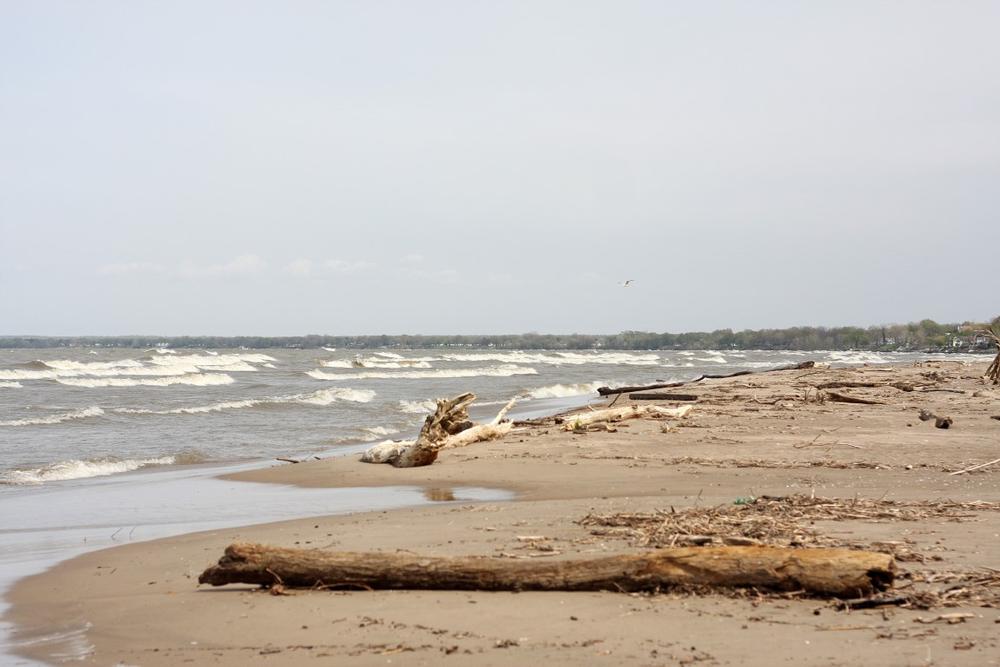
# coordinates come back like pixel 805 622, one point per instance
pixel 493 371
pixel 173 366
pixel 84 413
pixel 558 358
pixel 77 469
pixel 858 357
pixel 320 397
pixel 330 349
pixel 418 407
pixel 11 385
pixel 715 358
pixel 377 432
pixel 564 390
pixel 195 379
pixel 376 363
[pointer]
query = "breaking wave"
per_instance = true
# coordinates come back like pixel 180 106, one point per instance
pixel 493 371
pixel 417 407
pixel 11 385
pixel 77 469
pixel 194 379
pixel 564 390
pixel 715 358
pixel 84 413
pixel 377 432
pixel 171 366
pixel 558 358
pixel 320 397
pixel 376 363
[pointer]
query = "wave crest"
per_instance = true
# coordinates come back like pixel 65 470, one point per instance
pixel 78 469
pixel 83 413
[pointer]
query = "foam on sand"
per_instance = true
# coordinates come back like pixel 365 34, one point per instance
pixel 84 413
pixel 493 371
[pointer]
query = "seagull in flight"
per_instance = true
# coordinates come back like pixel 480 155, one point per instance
pixel 627 283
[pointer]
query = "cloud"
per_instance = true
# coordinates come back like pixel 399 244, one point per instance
pixel 241 265
pixel 300 266
pixel 129 267
pixel 347 266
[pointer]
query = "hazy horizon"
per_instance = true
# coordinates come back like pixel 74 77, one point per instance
pixel 269 169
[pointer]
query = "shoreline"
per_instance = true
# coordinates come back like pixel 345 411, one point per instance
pixel 743 438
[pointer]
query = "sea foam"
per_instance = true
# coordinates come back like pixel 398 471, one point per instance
pixel 194 379
pixel 77 469
pixel 564 390
pixel 83 413
pixel 493 371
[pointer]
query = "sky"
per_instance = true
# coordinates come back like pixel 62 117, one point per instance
pixel 368 167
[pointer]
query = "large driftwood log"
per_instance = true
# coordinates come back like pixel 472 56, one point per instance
pixel 449 426
pixel 993 372
pixel 582 419
pixel 836 572
pixel 609 391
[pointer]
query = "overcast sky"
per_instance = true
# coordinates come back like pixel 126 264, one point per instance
pixel 360 167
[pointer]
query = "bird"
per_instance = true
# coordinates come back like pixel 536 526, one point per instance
pixel 627 283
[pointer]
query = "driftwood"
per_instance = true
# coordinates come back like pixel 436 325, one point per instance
pixel 662 396
pixel 971 468
pixel 844 398
pixel 584 419
pixel 826 572
pixel 993 372
pixel 609 391
pixel 449 426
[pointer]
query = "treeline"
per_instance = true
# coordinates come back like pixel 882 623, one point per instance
pixel 923 335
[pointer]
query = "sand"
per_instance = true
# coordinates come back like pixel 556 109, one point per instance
pixel 748 436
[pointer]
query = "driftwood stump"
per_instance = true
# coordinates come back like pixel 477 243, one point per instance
pixel 824 572
pixel 449 426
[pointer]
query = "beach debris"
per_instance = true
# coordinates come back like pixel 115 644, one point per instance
pixel 993 372
pixel 662 396
pixel 939 422
pixel 976 467
pixel 284 460
pixel 448 427
pixel 581 421
pixel 609 391
pixel 822 572
pixel 844 398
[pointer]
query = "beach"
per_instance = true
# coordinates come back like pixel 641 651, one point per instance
pixel 747 437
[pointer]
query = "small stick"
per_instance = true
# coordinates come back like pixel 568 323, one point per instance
pixel 981 465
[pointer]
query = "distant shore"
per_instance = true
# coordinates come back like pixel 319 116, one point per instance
pixel 747 437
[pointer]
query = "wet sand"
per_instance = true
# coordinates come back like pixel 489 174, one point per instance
pixel 756 435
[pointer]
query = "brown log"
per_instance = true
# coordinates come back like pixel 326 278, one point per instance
pixel 826 572
pixel 609 391
pixel 844 398
pixel 662 396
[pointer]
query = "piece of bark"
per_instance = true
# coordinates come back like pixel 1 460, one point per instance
pixel 661 396
pixel 826 572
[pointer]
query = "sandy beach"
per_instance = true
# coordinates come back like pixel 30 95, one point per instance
pixel 577 495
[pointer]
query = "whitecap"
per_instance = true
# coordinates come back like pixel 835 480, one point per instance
pixel 319 397
pixel 715 358
pixel 84 413
pixel 564 390
pixel 77 469
pixel 493 371
pixel 11 385
pixel 418 407
pixel 195 379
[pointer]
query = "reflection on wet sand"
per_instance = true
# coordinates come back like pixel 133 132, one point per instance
pixel 439 494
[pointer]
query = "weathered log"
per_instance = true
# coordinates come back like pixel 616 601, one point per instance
pixel 844 398
pixel 662 396
pixel 583 419
pixel 826 572
pixel 609 391
pixel 449 426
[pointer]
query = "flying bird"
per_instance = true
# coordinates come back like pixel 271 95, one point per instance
pixel 627 283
